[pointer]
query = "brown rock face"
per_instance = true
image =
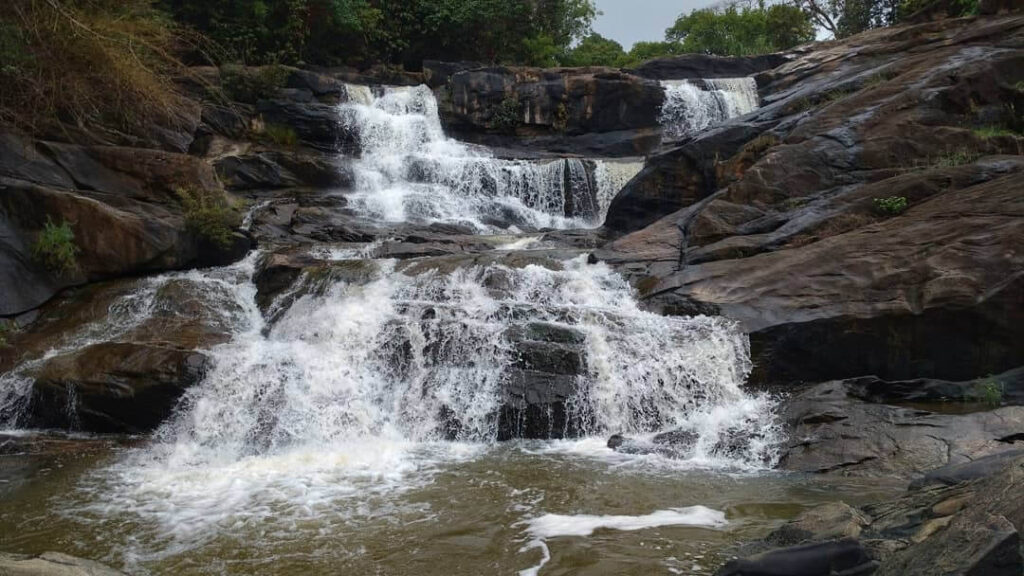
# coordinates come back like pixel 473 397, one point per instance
pixel 121 204
pixel 113 387
pixel 773 220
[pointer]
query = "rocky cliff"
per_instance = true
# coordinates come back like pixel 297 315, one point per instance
pixel 780 219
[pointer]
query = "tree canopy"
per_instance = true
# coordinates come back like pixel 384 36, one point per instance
pixel 390 31
pixel 742 31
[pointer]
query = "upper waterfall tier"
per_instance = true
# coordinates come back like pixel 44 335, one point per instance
pixel 409 171
pixel 693 105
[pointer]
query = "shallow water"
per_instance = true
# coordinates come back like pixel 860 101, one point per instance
pixel 483 510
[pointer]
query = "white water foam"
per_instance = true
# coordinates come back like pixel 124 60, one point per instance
pixel 558 525
pixel 693 105
pixel 555 525
pixel 350 395
pixel 409 171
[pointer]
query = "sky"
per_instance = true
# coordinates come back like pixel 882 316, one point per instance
pixel 627 21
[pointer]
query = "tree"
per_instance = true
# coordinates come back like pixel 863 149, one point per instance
pixel 596 50
pixel 732 31
pixel 788 26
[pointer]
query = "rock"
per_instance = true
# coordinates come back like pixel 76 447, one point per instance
pixel 317 125
pixel 832 432
pixel 112 387
pixel 832 521
pixel 846 557
pixel 969 528
pixel 1002 389
pixel 438 74
pixel 326 88
pixel 953 474
pixel 52 564
pixel 689 66
pixel 554 106
pixel 125 223
pixel 769 219
pixel 275 170
pixel 678 444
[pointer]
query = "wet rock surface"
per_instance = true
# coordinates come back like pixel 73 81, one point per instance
pixel 969 524
pixel 52 564
pixel 770 218
pixel 830 431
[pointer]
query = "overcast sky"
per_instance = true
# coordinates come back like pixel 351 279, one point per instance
pixel 627 21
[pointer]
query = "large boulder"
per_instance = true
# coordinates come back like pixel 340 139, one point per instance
pixel 112 387
pixel 595 110
pixel 688 66
pixel 830 431
pixel 969 527
pixel 772 219
pixel 122 205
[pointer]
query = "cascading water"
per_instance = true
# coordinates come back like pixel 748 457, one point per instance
pixel 409 171
pixel 327 418
pixel 693 105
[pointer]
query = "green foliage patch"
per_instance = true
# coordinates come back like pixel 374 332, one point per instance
pixel 506 116
pixel 55 247
pixel 891 206
pixel 281 135
pixel 209 214
pixel 988 391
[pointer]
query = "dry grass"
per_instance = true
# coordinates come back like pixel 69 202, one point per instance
pixel 87 63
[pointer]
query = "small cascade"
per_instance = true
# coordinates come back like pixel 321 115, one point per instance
pixel 409 171
pixel 693 105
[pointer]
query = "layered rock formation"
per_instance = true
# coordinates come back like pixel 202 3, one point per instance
pixel 772 218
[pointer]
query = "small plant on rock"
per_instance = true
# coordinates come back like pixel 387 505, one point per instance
pixel 5 330
pixel 891 206
pixel 506 116
pixel 281 135
pixel 988 391
pixel 55 247
pixel 208 214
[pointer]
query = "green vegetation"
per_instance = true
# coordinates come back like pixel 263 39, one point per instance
pixel 281 135
pixel 55 247
pixel 208 214
pixel 249 84
pixel 954 158
pixel 988 391
pixel 364 32
pixel 5 330
pixel 87 62
pixel 987 132
pixel 731 31
pixel 955 8
pixel 891 206
pixel 506 115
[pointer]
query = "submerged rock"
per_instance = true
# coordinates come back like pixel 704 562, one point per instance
pixel 52 564
pixel 971 527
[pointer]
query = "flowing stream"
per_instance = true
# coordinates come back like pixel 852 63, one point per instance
pixel 354 426
pixel 693 105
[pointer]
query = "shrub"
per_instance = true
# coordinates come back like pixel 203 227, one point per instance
pixel 55 247
pixel 102 62
pixel 989 391
pixel 252 84
pixel 891 206
pixel 506 116
pixel 281 135
pixel 954 158
pixel 5 330
pixel 986 132
pixel 208 214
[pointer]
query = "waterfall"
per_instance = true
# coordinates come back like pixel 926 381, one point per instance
pixel 693 105
pixel 409 171
pixel 365 381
